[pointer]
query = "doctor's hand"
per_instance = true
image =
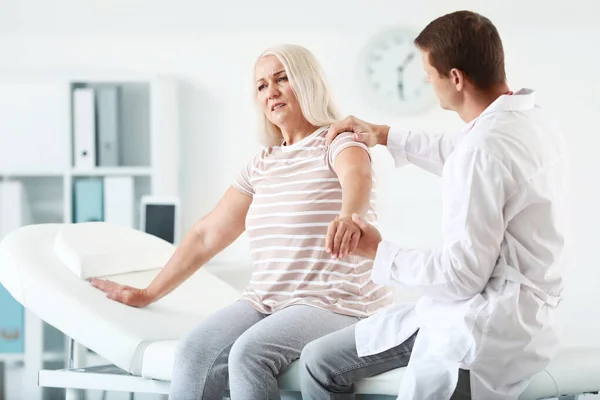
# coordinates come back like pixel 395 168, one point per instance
pixel 369 238
pixel 122 293
pixel 369 134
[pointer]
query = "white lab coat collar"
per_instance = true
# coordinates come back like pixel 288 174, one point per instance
pixel 521 100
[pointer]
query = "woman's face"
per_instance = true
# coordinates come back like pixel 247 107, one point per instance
pixel 274 93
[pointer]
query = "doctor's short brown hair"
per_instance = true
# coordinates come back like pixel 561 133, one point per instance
pixel 467 41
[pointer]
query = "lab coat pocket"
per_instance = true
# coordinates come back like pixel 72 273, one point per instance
pixel 450 328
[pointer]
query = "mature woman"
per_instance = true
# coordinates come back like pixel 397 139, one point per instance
pixel 290 198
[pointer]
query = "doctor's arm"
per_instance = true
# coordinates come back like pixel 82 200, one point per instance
pixel 476 189
pixel 425 150
pixel 209 236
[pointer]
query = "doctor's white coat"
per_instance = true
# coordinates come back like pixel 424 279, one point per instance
pixel 490 293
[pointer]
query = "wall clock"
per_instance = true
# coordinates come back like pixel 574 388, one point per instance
pixel 392 75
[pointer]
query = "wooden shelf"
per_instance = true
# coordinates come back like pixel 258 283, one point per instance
pixel 19 357
pixel 32 174
pixel 99 171
pixel 113 171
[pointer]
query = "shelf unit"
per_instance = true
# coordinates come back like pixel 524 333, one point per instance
pixel 48 356
pixel 37 149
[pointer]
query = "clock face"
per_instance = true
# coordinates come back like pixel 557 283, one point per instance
pixel 392 73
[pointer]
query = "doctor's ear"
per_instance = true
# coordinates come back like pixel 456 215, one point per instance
pixel 458 78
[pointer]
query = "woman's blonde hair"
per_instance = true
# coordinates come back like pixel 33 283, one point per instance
pixel 309 85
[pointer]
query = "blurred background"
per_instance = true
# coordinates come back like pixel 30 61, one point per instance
pixel 171 84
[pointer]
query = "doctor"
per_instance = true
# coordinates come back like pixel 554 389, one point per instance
pixel 485 324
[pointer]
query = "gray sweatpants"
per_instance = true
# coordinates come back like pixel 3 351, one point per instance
pixel 248 348
pixel 330 366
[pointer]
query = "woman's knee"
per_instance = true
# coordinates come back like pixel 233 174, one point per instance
pixel 195 344
pixel 247 349
pixel 311 358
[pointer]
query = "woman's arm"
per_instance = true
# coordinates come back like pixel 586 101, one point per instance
pixel 209 236
pixel 353 168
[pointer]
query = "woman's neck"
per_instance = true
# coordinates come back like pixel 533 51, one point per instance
pixel 296 133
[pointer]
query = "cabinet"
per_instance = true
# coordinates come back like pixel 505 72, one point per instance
pixel 41 125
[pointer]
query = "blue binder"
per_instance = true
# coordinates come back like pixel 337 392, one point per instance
pixel 12 323
pixel 88 202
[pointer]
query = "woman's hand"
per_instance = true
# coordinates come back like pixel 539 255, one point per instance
pixel 122 293
pixel 342 237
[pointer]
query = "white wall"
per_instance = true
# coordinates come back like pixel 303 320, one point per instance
pixel 550 45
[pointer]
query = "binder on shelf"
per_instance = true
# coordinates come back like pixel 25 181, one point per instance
pixel 84 128
pixel 12 322
pixel 14 207
pixel 14 213
pixel 119 200
pixel 88 200
pixel 108 118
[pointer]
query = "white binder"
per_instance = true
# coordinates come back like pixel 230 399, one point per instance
pixel 84 128
pixel 14 207
pixel 118 200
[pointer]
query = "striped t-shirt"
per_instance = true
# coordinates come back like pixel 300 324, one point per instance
pixel 296 194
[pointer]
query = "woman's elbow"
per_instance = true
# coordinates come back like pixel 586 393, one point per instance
pixel 359 174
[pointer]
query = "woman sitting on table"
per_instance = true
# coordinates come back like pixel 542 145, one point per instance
pixel 288 198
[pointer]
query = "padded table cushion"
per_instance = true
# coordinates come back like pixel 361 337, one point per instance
pixel 31 271
pixel 95 249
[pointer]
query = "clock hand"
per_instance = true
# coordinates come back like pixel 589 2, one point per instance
pixel 408 58
pixel 401 67
pixel 401 90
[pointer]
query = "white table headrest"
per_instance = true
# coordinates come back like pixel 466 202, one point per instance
pixel 97 249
